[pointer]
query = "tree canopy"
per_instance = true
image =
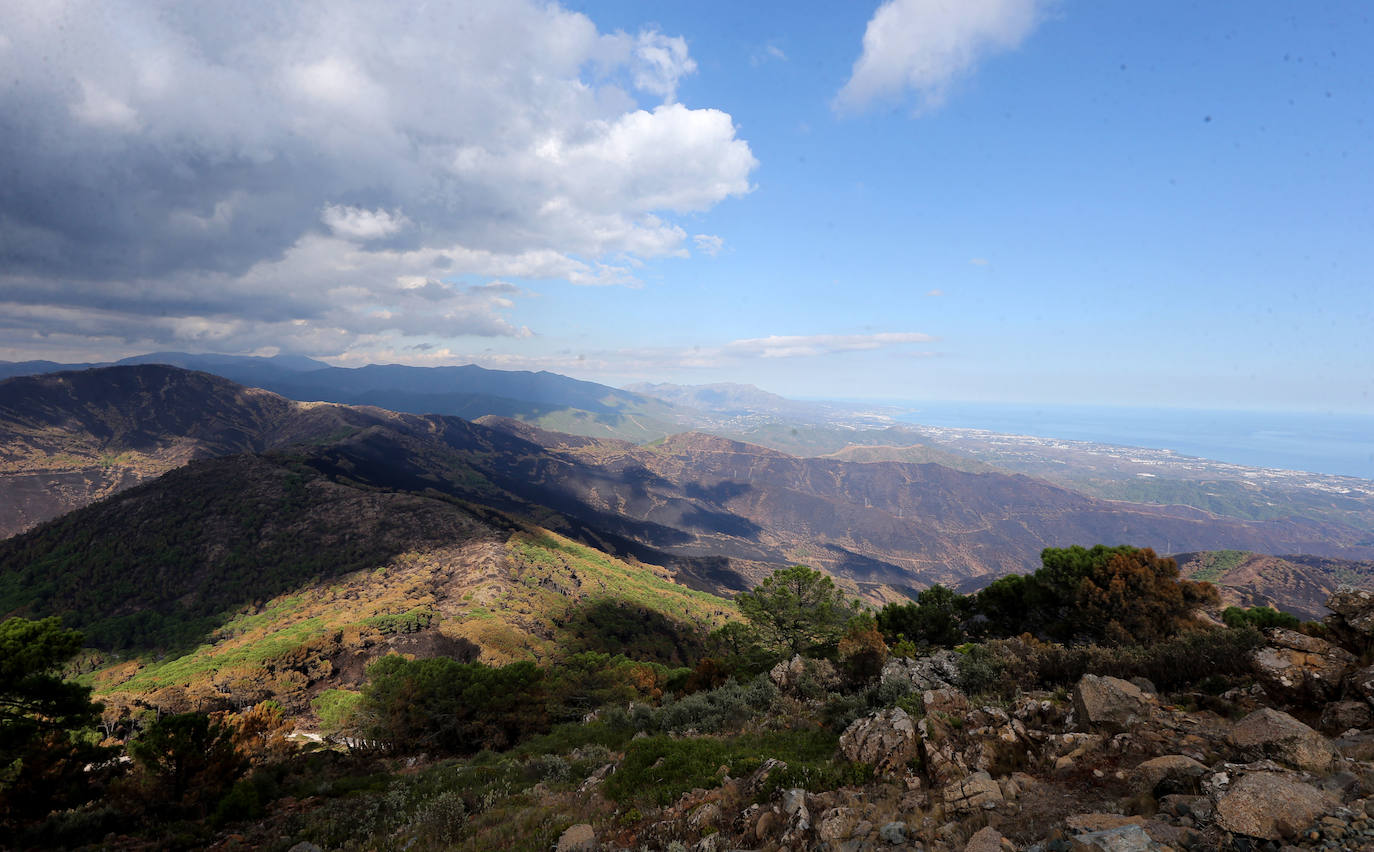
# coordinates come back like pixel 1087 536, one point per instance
pixel 797 610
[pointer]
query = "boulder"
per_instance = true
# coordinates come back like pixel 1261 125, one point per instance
pixel 985 839
pixel 1270 805
pixel 1276 735
pixel 1124 838
pixel 799 675
pixel 1352 612
pixel 577 838
pixel 886 739
pixel 1109 703
pixel 1298 667
pixel 1340 716
pixel 1169 774
pixel 893 833
pixel 835 824
pixel 937 671
pixel 976 791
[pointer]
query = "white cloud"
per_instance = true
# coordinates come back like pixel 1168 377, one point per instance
pixel 708 244
pixel 659 62
pixel 791 346
pixel 924 45
pixel 356 223
pixel 238 169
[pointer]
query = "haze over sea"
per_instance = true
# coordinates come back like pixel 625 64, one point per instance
pixel 1319 442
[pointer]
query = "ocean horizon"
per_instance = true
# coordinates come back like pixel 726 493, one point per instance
pixel 1316 442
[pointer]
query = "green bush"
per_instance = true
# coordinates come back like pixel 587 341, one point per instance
pixel 717 709
pixel 1259 617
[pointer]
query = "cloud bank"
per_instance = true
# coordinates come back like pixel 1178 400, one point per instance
pixel 923 46
pixel 227 176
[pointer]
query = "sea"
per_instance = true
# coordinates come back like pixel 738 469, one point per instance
pixel 1317 442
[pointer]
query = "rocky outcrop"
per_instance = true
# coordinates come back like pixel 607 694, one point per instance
pixel 1352 617
pixel 577 838
pixel 800 676
pixel 1123 838
pixel 1270 805
pixel 1296 667
pixel 936 671
pixel 887 740
pixel 1110 704
pixel 1269 733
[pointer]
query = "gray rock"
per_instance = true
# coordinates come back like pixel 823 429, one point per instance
pixel 305 846
pixel 1274 734
pixel 893 833
pixel 792 676
pixel 1109 703
pixel 936 671
pixel 1125 838
pixel 1270 806
pixel 972 793
pixel 887 740
pixel 577 838
pixel 1295 666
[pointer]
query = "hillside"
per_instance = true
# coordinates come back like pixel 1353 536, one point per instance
pixel 1299 585
pixel 260 572
pixel 69 438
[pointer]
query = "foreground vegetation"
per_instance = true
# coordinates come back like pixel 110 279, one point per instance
pixel 442 752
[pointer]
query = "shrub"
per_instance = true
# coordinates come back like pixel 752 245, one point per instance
pixel 717 709
pixel 1259 617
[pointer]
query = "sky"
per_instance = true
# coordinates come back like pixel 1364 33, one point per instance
pixel 1167 204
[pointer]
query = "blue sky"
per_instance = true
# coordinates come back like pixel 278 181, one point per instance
pixel 1163 204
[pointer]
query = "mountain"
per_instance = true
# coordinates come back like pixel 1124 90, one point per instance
pixel 1299 584
pixel 69 438
pixel 707 508
pixel 547 399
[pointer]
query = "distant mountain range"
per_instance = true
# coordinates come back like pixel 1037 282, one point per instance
pixel 715 511
pixel 547 399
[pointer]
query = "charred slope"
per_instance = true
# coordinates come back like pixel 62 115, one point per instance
pixel 1298 584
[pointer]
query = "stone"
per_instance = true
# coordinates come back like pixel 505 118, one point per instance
pixel 1352 610
pixel 1110 704
pixel 936 671
pixel 792 676
pixel 1341 716
pixel 757 778
pixel 305 846
pixel 596 778
pixel 1270 805
pixel 1358 746
pixel 1276 735
pixel 976 791
pixel 1170 773
pixel 985 839
pixel 835 824
pixel 1125 838
pixel 706 816
pixel 893 833
pixel 887 740
pixel 1295 666
pixel 577 838
pixel 1146 685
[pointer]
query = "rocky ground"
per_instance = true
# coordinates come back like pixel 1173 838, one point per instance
pixel 1111 766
